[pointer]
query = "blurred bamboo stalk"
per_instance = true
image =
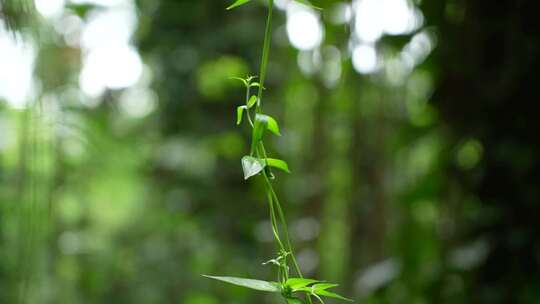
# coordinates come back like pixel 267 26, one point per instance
pixel 335 237
pixel 30 210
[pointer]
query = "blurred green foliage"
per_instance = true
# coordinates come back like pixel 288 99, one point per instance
pixel 416 187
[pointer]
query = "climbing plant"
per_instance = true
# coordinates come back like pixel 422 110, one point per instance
pixel 290 284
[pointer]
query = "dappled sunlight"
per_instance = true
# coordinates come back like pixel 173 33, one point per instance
pixel 304 27
pixel 364 58
pixel 17 58
pixel 50 8
pixel 109 60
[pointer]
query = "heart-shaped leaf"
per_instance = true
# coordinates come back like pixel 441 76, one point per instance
pixel 252 166
pixel 237 4
pixel 248 283
pixel 278 163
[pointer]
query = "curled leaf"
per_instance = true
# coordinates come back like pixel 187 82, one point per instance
pixel 252 101
pixel 240 114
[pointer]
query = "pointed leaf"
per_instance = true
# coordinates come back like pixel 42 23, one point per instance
pixel 324 286
pixel 295 283
pixel 237 4
pixel 271 123
pixel 248 283
pixel 252 101
pixel 252 166
pixel 329 294
pixel 240 114
pixel 278 163
pixel 273 126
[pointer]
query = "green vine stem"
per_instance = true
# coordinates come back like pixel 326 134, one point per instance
pixel 265 53
pixel 273 199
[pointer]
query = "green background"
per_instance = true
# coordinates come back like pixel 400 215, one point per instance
pixel 418 190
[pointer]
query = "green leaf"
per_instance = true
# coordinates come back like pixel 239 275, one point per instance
pixel 240 114
pixel 294 301
pixel 271 123
pixel 237 4
pixel 329 294
pixel 246 84
pixel 248 283
pixel 278 163
pixel 324 286
pixel 304 2
pixel 295 283
pixel 252 101
pixel 252 166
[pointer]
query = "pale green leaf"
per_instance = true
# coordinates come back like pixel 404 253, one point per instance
pixel 280 164
pixel 249 283
pixel 252 166
pixel 237 4
pixel 240 114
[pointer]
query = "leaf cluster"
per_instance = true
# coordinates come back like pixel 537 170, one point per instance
pixel 289 289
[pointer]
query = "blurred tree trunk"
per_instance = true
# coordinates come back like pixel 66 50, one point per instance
pixel 488 58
